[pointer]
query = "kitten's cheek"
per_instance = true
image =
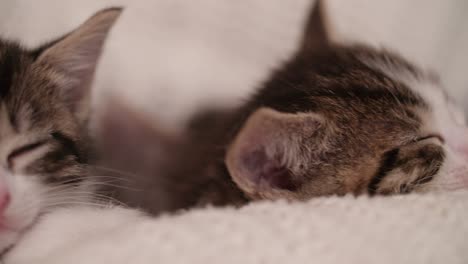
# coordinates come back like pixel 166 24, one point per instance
pixel 457 141
pixel 453 175
pixel 5 193
pixel 23 207
pixel 5 198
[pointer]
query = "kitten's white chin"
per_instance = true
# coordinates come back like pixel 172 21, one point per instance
pixel 11 231
pixel 8 239
pixel 452 176
pixel 23 210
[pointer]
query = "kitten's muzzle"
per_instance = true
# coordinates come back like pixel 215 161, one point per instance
pixel 454 173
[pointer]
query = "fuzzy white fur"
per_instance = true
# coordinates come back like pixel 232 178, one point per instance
pixel 402 229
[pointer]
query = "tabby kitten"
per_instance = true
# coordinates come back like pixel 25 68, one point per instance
pixel 333 120
pixel 43 124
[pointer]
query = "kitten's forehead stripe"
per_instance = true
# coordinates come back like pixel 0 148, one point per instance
pixel 10 60
pixel 337 73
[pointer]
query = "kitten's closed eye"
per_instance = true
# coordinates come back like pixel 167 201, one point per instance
pixel 26 153
pixel 429 136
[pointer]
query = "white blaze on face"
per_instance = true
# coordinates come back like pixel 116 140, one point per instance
pixel 443 118
pixel 446 119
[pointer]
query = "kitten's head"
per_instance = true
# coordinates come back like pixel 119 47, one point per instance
pixel 43 112
pixel 348 119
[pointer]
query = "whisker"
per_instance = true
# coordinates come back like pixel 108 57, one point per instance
pixel 81 195
pixel 70 203
pixel 120 172
pixel 92 182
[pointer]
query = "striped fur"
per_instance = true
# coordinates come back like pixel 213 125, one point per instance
pixel 333 120
pixel 44 144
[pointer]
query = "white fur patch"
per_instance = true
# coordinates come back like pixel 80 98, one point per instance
pixel 443 118
pixel 26 200
pixel 30 199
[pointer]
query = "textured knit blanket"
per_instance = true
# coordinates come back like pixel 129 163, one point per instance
pixel 400 229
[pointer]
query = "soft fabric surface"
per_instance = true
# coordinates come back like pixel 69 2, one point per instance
pixel 401 229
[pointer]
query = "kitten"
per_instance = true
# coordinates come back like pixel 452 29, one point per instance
pixel 335 119
pixel 44 146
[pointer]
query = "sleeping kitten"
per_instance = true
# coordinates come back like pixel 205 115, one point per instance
pixel 333 120
pixel 43 124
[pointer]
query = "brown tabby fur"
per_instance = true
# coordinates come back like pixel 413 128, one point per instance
pixel 43 102
pixel 325 123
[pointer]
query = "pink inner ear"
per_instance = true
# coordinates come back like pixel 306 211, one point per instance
pixel 262 169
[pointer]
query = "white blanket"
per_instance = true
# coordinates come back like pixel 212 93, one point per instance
pixel 400 229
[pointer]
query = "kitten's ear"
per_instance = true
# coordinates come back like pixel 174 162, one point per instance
pixel 75 56
pixel 268 152
pixel 316 33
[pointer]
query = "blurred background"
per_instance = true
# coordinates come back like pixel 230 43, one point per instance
pixel 170 58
